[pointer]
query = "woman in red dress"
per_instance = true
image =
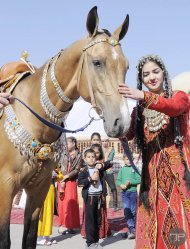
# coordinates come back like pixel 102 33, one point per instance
pixel 160 126
pixel 68 206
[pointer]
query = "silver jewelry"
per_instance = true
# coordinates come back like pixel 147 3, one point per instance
pixel 56 84
pixel 154 120
pixel 50 110
pixel 27 144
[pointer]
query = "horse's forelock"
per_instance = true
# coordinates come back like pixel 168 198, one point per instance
pixel 104 31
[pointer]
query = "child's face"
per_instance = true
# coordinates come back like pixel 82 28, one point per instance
pixel 97 153
pixel 126 161
pixel 90 159
pixel 95 140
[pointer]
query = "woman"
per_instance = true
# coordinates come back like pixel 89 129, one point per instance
pixel 68 206
pixel 45 223
pixel 161 132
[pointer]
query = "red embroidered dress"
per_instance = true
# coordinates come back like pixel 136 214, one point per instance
pixel 168 194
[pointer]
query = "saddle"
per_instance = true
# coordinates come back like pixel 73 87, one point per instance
pixel 10 71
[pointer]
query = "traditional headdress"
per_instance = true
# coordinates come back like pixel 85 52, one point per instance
pixel 160 63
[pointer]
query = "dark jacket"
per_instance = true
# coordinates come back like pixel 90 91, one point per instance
pixel 75 164
pixel 83 179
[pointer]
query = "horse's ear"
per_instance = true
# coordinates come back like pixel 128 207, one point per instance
pixel 92 22
pixel 122 30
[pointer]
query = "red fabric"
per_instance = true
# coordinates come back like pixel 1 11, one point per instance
pixel 68 208
pixel 173 107
pixel 168 194
pixel 176 206
pixel 104 228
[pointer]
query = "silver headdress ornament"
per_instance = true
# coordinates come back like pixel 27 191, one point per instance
pixel 159 61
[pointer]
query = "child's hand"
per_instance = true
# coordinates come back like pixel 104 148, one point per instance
pixel 95 176
pixel 127 183
pixel 123 187
pixel 98 166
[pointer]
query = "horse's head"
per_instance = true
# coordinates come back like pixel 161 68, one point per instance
pixel 104 67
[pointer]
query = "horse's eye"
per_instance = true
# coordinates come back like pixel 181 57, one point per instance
pixel 97 63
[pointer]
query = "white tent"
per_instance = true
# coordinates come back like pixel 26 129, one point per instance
pixel 182 82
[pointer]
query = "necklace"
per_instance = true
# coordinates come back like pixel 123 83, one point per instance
pixel 27 144
pixel 154 120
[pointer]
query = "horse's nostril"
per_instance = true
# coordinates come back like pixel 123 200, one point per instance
pixel 116 122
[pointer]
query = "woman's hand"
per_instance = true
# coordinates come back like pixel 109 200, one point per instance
pixel 129 92
pixel 5 99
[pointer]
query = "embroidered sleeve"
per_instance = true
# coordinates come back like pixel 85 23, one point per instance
pixel 131 132
pixel 172 107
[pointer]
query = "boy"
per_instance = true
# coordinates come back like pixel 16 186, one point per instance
pixel 91 179
pixel 128 180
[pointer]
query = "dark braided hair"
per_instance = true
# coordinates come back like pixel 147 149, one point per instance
pixel 139 129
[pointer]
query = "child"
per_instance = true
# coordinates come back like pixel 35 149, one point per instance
pixel 47 212
pixel 92 191
pixel 128 180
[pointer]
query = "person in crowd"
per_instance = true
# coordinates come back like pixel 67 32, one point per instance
pixel 5 99
pixel 104 227
pixel 160 126
pixel 104 230
pixel 68 206
pixel 109 153
pixel 47 212
pixel 91 180
pixel 128 180
pixel 95 138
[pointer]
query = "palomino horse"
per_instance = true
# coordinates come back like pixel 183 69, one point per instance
pixel 92 68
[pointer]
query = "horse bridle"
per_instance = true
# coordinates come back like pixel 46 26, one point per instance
pixel 59 128
pixel 84 59
pixel 92 97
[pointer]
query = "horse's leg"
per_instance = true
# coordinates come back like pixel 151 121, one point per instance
pixel 6 197
pixel 35 200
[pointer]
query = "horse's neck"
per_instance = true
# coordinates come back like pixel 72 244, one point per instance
pixel 66 74
pixel 67 69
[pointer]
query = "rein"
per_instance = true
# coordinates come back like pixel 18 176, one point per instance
pixel 127 151
pixel 53 125
pixel 92 97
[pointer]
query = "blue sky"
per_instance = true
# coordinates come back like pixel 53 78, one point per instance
pixel 44 27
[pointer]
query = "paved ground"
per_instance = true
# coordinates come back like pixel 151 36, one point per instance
pixel 71 241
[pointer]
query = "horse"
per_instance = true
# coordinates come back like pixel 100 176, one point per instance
pixel 91 68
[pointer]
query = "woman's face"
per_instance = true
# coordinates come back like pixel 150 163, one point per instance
pixel 153 77
pixel 95 140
